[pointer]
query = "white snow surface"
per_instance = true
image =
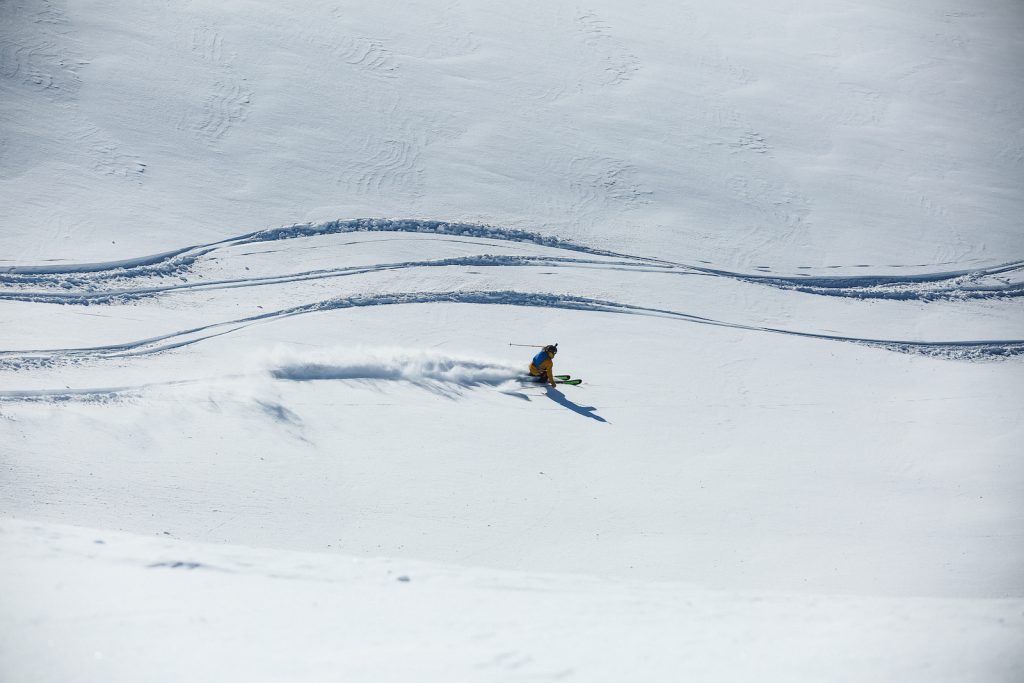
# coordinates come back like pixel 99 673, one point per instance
pixel 270 273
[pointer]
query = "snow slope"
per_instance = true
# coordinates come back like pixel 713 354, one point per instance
pixel 819 134
pixel 261 266
pixel 281 611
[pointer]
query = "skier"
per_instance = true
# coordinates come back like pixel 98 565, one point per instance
pixel 543 365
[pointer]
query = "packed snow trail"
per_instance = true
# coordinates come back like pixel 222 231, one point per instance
pixel 483 261
pixel 951 349
pixel 989 282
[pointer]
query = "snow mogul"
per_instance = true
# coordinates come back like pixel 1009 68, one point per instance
pixel 543 365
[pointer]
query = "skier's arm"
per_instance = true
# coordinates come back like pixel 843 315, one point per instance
pixel 551 371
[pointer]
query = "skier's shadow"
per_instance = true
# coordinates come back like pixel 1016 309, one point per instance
pixel 560 398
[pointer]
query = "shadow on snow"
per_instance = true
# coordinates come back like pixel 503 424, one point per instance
pixel 562 400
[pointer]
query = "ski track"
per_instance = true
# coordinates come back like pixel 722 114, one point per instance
pixel 436 372
pixel 107 283
pixel 977 283
pixel 26 359
pixel 483 260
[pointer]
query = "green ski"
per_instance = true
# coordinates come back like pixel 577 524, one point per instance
pixel 560 379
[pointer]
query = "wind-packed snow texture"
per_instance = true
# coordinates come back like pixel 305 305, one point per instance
pixel 271 275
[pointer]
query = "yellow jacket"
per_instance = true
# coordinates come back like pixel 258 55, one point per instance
pixel 543 363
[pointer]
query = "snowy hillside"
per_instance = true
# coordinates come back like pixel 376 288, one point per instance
pixel 268 279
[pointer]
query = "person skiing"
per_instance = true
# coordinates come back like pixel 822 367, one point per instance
pixel 543 365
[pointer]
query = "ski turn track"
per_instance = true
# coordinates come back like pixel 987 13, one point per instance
pixel 960 350
pixel 80 283
pixel 186 270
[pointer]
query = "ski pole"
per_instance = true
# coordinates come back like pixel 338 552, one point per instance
pixel 530 345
